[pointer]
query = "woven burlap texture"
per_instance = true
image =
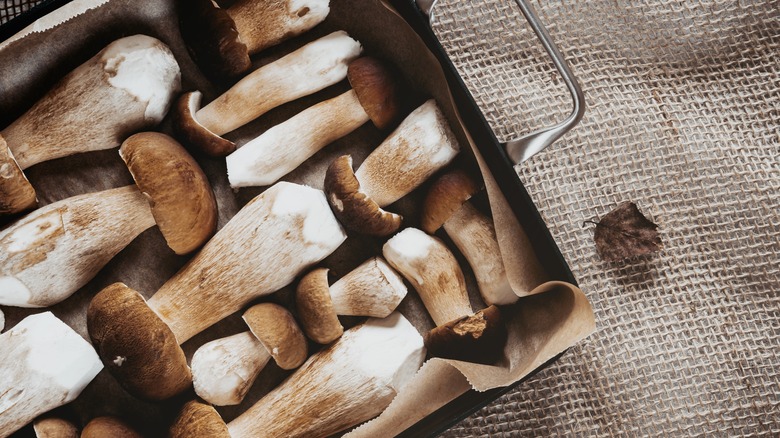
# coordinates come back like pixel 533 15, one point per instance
pixel 684 119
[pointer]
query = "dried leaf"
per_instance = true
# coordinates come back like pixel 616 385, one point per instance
pixel 625 232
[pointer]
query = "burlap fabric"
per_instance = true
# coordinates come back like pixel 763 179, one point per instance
pixel 683 119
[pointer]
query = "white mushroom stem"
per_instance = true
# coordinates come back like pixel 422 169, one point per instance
pixel 309 69
pixel 421 145
pixel 273 239
pixel 263 24
pixel 372 289
pixel 125 88
pixel 52 252
pixel 475 236
pixel 44 364
pixel 348 383
pixel 284 147
pixel 2 321
pixel 433 271
pixel 224 369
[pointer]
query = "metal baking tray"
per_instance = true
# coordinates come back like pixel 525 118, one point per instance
pixel 495 156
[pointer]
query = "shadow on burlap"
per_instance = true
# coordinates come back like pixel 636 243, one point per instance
pixel 684 119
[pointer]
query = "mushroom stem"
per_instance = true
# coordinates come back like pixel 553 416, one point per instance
pixel 262 24
pixel 372 289
pixel 475 236
pixel 348 383
pixel 52 252
pixel 284 147
pixel 433 271
pixel 224 369
pixel 125 88
pixel 309 69
pixel 44 364
pixel 275 237
pixel 422 144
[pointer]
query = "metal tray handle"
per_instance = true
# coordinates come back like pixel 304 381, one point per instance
pixel 523 148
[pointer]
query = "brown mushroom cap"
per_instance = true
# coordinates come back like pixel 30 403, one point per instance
pixel 192 133
pixel 353 208
pixel 212 40
pixel 136 347
pixel 377 90
pixel 315 308
pixel 16 193
pixel 182 202
pixel 479 338
pixel 102 427
pixel 198 420
pixel 275 328
pixel 54 427
pixel 445 197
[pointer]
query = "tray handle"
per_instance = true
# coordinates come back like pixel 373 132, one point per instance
pixel 523 148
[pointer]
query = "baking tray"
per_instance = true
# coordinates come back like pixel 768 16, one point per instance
pixel 495 157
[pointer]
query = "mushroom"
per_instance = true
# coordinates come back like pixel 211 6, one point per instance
pixel 108 426
pixel 311 68
pixel 374 96
pixel 125 88
pixel 422 144
pixel 44 364
pixel 275 237
pixel 2 321
pixel 224 369
pixel 434 272
pixel 52 252
pixel 221 40
pixel 53 427
pixel 198 420
pixel 349 382
pixel 472 232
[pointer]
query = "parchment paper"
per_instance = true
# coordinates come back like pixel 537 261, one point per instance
pixel 540 327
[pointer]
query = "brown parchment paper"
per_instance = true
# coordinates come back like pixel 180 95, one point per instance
pixel 541 326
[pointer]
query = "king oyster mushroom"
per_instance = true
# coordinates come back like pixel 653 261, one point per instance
pixel 49 254
pixel 127 87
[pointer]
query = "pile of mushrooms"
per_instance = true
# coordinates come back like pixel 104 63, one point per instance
pixel 126 88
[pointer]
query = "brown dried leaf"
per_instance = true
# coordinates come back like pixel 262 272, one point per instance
pixel 625 232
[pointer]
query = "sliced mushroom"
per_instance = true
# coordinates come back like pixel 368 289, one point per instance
pixel 472 232
pixel 350 382
pixel 307 70
pixel 52 252
pixel 434 272
pixel 374 96
pixel 421 145
pixel 224 369
pixel 274 238
pixel 125 88
pixel 221 40
pixel 103 427
pixel 53 427
pixel 44 364
pixel 198 420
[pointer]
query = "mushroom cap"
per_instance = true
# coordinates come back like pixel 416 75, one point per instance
pixel 315 308
pixel 192 133
pixel 198 420
pixel 182 202
pixel 446 195
pixel 101 427
pixel 16 193
pixel 136 347
pixel 377 90
pixel 478 338
pixel 275 328
pixel 213 40
pixel 53 427
pixel 353 208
